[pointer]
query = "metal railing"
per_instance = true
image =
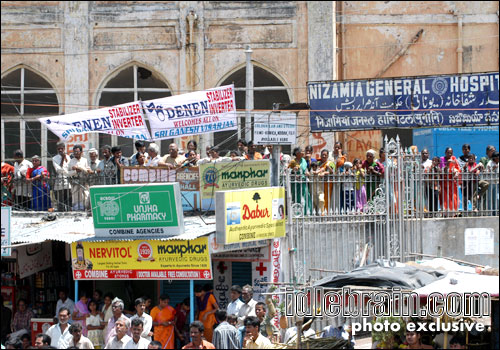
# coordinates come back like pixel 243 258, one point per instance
pixel 59 193
pixel 432 192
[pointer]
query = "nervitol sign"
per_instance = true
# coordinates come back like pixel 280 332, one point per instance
pixel 225 176
pixel 135 210
pixel 250 215
pixel 427 101
pixel 142 260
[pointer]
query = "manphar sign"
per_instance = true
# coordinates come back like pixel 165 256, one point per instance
pixel 137 210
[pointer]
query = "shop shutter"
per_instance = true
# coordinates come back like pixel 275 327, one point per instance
pixel 242 273
pixel 177 290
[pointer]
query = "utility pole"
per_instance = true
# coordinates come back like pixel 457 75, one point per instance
pixel 248 94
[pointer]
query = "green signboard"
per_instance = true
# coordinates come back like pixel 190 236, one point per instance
pixel 137 210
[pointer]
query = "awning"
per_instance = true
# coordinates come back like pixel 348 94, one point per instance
pixel 36 228
pixel 29 228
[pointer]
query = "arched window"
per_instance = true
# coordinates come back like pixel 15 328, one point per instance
pixel 27 96
pixel 268 91
pixel 127 85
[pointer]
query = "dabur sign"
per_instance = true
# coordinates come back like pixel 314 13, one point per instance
pixel 142 259
pixel 132 210
pixel 250 215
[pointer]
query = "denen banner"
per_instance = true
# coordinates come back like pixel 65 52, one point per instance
pixel 135 210
pixel 225 176
pixel 142 260
pixel 250 215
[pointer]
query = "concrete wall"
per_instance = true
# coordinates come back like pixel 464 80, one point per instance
pixel 445 237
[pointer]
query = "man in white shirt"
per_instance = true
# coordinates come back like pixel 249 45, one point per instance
pixel 426 162
pixel 59 333
pixel 64 301
pixel 137 341
pixel 80 341
pixel 62 186
pixel 93 165
pixel 121 338
pixel 78 170
pixel 22 187
pixel 147 321
pixel 248 307
pixel 117 307
pixel 154 154
pixel 235 305
pixel 214 157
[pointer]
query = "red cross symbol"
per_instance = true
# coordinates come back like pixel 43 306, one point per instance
pixel 221 267
pixel 261 268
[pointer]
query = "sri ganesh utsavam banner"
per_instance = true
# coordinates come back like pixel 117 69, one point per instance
pixel 193 113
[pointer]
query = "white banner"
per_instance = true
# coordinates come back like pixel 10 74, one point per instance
pixel 34 258
pixel 275 128
pixel 6 231
pixel 277 273
pixel 124 120
pixel 223 279
pixel 193 113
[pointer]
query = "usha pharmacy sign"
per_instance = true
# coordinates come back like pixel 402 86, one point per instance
pixel 137 210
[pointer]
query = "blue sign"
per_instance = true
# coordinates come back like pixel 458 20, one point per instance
pixel 430 101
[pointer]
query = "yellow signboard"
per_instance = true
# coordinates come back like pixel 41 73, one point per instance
pixel 250 215
pixel 142 259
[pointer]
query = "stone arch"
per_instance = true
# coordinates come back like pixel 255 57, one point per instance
pixel 277 75
pixel 115 72
pixel 263 99
pixel 38 73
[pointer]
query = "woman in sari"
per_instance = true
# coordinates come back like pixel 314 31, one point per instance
pixel 324 192
pixel 450 181
pixel 207 305
pixel 81 312
pixel 163 316
pixel 374 171
pixel 300 192
pixel 38 177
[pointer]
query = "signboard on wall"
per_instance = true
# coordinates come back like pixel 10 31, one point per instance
pixel 34 258
pixel 427 101
pixel 275 129
pixel 137 210
pixel 249 215
pixel 142 260
pixel 225 176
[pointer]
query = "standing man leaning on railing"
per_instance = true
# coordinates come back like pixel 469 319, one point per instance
pixel 105 169
pixel 62 186
pixel 22 188
pixel 79 169
pixel 117 161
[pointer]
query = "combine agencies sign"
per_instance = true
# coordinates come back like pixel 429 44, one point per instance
pixel 427 101
pixel 146 259
pixel 135 210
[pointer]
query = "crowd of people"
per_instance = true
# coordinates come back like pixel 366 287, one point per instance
pixel 102 321
pixel 331 183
